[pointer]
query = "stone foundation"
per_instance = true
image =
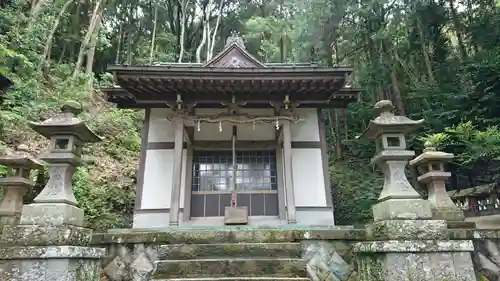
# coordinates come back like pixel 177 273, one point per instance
pixel 345 255
pixel 415 260
pixel 52 263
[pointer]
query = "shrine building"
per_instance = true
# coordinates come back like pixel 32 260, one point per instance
pixel 232 140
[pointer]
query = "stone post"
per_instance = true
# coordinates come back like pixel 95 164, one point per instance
pixel 15 184
pixel 50 244
pixel 407 244
pixel 431 165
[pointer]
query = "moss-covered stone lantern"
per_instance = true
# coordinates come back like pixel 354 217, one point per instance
pixel 404 235
pixel 431 166
pixel 50 243
pixel 56 204
pixel 398 199
pixel 16 183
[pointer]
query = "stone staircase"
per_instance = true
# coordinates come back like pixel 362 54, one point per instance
pixel 230 262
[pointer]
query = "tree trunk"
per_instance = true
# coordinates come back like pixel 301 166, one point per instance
pixel 206 30
pixel 458 30
pixel 202 43
pixel 36 9
pixel 153 37
pixel 207 44
pixel 48 42
pixel 214 32
pixel 425 54
pixel 338 137
pixel 119 43
pixel 63 52
pixel 184 4
pixel 90 57
pixel 75 29
pixel 396 92
pixel 96 14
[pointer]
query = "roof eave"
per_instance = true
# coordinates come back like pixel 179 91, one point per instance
pixel 165 70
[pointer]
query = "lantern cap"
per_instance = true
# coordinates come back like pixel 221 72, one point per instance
pixel 387 122
pixel 431 154
pixel 20 158
pixel 66 123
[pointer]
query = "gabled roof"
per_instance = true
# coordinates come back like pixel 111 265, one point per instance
pixel 232 73
pixel 234 55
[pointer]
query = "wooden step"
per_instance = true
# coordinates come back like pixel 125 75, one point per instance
pixel 234 267
pixel 228 250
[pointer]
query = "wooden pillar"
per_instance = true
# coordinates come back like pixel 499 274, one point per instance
pixel 280 181
pixel 287 161
pixel 188 182
pixel 177 173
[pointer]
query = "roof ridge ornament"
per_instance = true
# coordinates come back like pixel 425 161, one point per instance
pixel 235 37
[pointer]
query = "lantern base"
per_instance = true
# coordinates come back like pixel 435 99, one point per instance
pixel 9 218
pixel 35 235
pixel 51 214
pixel 51 263
pixel 407 230
pixel 448 214
pixel 402 209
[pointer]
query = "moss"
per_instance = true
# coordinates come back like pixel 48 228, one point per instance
pixel 370 267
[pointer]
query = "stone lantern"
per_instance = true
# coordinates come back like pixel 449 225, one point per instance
pixel 56 204
pixel 405 240
pixel 50 243
pixel 398 199
pixel 16 183
pixel 431 166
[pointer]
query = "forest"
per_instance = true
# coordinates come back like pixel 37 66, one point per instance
pixel 435 59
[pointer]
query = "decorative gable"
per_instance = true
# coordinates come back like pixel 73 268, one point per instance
pixel 234 55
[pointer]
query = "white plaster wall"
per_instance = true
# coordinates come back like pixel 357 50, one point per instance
pixel 245 132
pixel 156 191
pixel 151 220
pixel 160 129
pixel 320 217
pixel 307 129
pixel 308 182
pixel 210 131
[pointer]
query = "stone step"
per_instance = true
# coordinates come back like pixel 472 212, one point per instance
pixel 235 267
pixel 228 250
pixel 240 279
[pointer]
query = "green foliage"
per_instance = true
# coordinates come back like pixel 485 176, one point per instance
pixel 104 187
pixel 361 185
pixel 472 147
pixel 105 206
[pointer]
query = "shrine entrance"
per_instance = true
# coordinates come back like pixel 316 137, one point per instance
pixel 232 141
pixel 234 177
